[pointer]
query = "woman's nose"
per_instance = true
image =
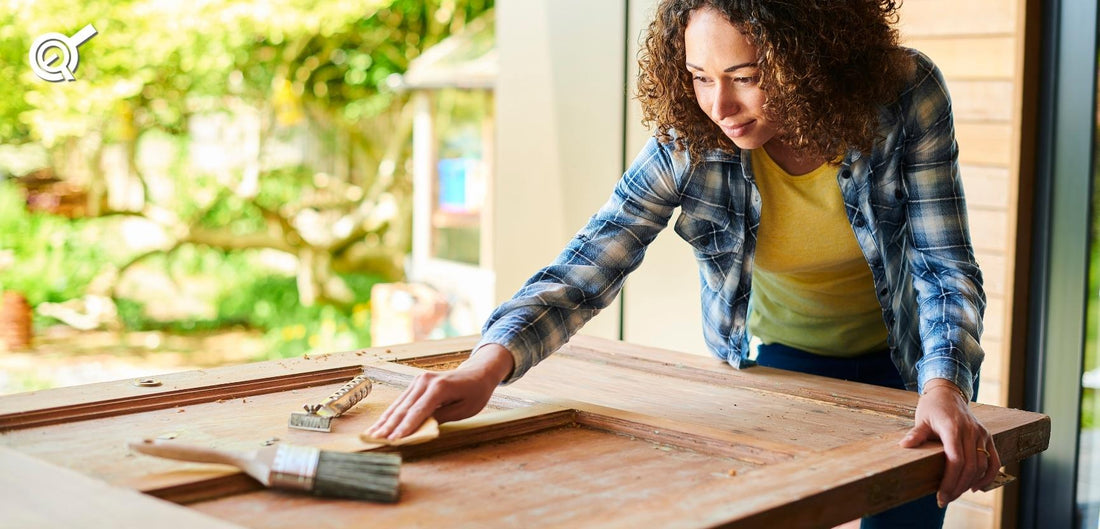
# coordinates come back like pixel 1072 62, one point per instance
pixel 725 103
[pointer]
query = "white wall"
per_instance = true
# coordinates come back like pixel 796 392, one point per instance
pixel 559 132
pixel 662 297
pixel 560 145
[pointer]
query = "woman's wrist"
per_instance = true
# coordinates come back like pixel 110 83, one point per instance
pixel 937 383
pixel 492 359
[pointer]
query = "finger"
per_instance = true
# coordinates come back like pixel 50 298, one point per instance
pixel 982 465
pixel 985 472
pixel 994 466
pixel 408 410
pixel 384 418
pixel 396 414
pixel 952 449
pixel 419 410
pixel 412 420
pixel 917 436
pixel 385 415
pixel 968 461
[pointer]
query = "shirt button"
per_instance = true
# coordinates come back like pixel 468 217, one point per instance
pixel 845 173
pixel 882 292
pixel 859 222
pixel 898 194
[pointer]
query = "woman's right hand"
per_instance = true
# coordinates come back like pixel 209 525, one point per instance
pixel 448 395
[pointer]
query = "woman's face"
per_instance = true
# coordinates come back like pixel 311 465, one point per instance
pixel 722 62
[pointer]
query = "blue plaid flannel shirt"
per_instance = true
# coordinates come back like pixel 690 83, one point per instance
pixel 905 204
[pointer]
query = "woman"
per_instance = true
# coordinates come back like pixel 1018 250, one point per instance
pixel 815 165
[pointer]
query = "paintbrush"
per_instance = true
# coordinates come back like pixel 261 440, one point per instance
pixel 318 417
pixel 362 476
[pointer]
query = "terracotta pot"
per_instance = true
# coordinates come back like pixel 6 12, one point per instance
pixel 15 322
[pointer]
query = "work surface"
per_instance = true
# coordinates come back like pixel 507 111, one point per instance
pixel 601 434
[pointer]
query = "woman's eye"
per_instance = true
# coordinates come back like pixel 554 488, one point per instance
pixel 699 78
pixel 745 80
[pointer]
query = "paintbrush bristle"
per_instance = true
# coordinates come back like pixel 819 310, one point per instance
pixel 361 476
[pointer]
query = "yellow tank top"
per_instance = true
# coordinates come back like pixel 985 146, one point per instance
pixel 811 286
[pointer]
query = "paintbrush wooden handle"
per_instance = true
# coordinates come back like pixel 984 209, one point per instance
pixel 186 452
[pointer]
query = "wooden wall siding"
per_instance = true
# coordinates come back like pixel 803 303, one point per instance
pixel 982 100
pixel 985 185
pixel 976 44
pixel 954 55
pixel 955 18
pixel 984 143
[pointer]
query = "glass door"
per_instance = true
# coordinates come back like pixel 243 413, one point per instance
pixel 1060 488
pixel 1088 463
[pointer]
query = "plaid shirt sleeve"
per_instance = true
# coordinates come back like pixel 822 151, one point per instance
pixel 946 278
pixel 560 298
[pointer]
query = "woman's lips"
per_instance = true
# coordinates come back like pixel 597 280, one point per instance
pixel 736 131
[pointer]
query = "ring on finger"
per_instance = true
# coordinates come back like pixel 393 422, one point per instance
pixel 983 451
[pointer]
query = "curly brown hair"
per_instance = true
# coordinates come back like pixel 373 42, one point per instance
pixel 826 67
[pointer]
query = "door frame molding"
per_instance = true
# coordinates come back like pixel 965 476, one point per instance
pixel 1059 267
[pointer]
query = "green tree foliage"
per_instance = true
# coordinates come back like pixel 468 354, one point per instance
pixel 151 58
pixel 154 65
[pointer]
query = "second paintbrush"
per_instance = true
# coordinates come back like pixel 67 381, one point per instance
pixel 318 417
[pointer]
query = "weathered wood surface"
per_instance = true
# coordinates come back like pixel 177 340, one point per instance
pixel 603 433
pixel 37 494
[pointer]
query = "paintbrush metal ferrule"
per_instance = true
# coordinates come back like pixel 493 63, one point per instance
pixel 318 417
pixel 294 467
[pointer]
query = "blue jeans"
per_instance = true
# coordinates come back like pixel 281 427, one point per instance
pixel 872 368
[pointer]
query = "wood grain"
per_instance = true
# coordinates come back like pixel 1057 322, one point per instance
pixel 953 18
pixel 15 409
pixel 38 494
pixel 602 433
pixel 562 476
pixel 971 58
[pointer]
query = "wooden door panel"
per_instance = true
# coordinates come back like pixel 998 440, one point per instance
pixel 737 408
pixel 37 494
pixel 118 397
pixel 242 423
pixel 602 433
pixel 711 392
pixel 541 466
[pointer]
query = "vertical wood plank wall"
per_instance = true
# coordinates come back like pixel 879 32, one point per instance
pixel 976 44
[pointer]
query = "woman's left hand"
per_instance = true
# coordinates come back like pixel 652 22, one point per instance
pixel 972 459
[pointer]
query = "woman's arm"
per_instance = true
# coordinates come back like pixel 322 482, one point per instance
pixel 946 278
pixel 556 301
pixel 948 284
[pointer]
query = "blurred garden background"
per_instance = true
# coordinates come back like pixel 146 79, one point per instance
pixel 223 182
